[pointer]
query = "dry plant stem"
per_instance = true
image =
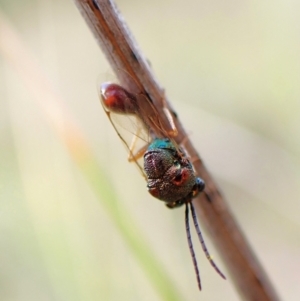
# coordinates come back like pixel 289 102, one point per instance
pixel 127 61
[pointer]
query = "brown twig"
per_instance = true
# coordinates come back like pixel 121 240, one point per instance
pixel 123 54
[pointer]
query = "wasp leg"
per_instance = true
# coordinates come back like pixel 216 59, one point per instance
pixel 139 154
pixel 171 116
pixel 133 155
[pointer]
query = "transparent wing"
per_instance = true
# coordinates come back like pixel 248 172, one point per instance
pixel 135 120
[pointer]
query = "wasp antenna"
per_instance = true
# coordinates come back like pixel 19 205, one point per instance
pixel 189 239
pixel 204 248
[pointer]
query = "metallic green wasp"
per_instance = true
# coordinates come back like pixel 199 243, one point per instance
pixel 168 171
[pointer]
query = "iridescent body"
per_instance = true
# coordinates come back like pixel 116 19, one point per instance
pixel 168 171
pixel 170 175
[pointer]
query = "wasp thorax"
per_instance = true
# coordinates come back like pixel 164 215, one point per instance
pixel 170 176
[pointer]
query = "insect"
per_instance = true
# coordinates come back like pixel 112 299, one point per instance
pixel 166 168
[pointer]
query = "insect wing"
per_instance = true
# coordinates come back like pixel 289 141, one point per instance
pixel 136 120
pixel 123 111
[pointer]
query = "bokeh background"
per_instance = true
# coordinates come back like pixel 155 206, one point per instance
pixel 232 70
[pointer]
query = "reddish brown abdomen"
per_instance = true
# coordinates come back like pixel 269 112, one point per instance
pixel 116 99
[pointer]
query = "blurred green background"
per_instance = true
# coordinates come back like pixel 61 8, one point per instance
pixel 232 70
